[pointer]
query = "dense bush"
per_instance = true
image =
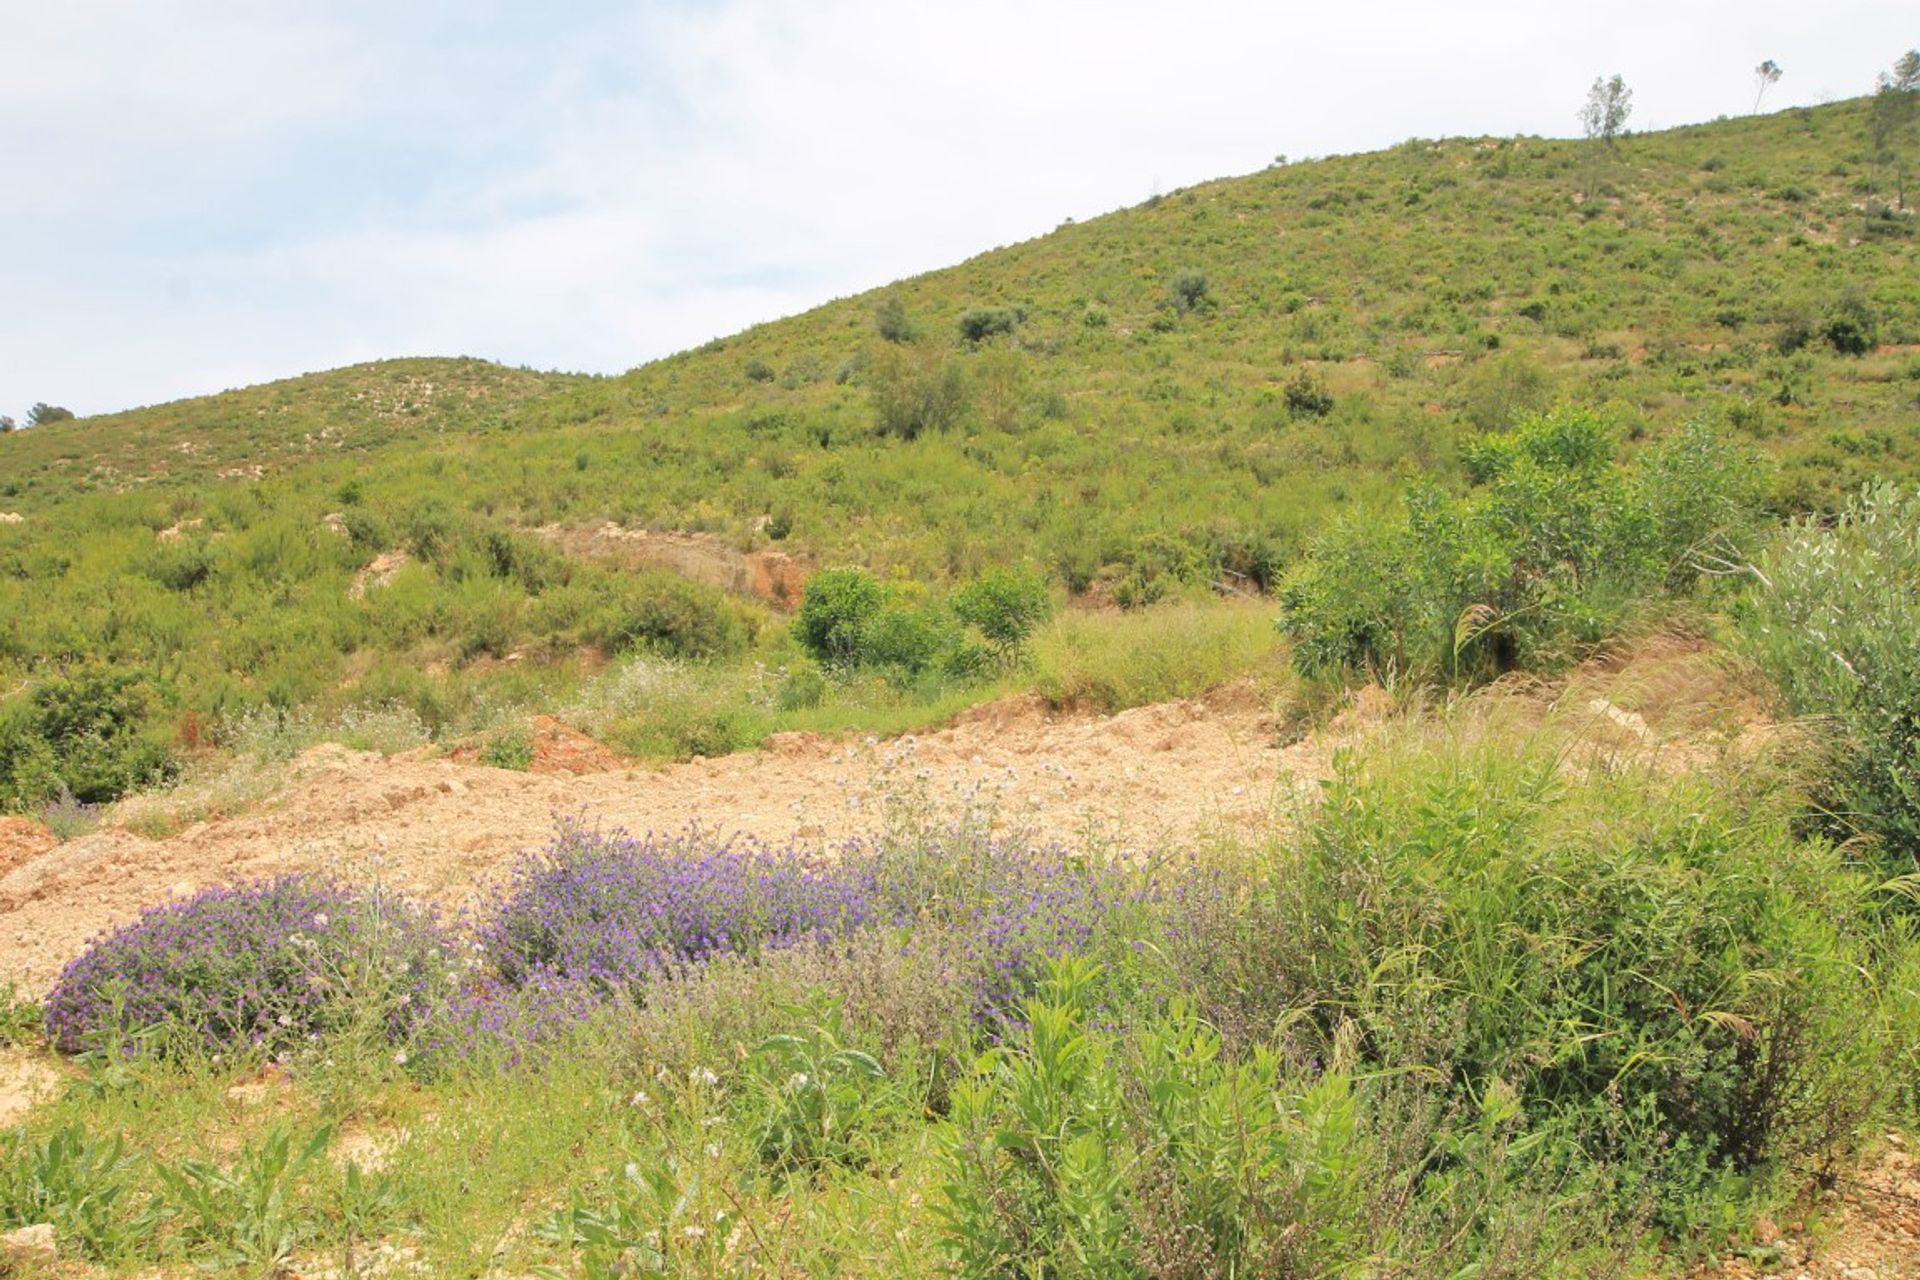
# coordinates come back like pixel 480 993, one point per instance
pixel 915 388
pixel 1187 291
pixel 662 612
pixel 977 324
pixel 849 619
pixel 1543 556
pixel 90 735
pixel 1004 605
pixel 835 611
pixel 1834 619
pixel 262 966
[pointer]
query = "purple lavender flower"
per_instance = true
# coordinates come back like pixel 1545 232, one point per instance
pixel 266 964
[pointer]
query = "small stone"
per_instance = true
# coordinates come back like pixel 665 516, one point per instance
pixel 1764 1231
pixel 181 889
pixel 34 1244
pixel 249 1095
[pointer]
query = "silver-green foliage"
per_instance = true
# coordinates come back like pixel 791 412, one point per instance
pixel 1834 618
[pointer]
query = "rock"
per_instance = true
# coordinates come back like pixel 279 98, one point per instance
pixel 34 1244
pixel 181 889
pixel 1764 1231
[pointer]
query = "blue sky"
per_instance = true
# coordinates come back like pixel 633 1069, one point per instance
pixel 209 193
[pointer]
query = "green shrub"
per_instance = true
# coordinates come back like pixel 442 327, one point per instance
pixel 1306 396
pixel 977 324
pixel 1541 559
pixel 1659 969
pixel 661 612
pixel 891 321
pixel 1187 291
pixel 834 613
pixel 94 735
pixel 1850 326
pixel 1834 619
pixel 1073 1151
pixel 1004 606
pixel 915 388
pixel 509 749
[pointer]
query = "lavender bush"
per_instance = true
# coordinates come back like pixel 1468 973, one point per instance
pixel 620 914
pixel 265 965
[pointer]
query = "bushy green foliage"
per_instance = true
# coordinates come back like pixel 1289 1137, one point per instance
pixel 915 388
pixel 1189 291
pixel 835 612
pixel 1004 605
pixel 1541 557
pixel 1076 1153
pixel 1833 618
pixel 977 324
pixel 88 735
pixel 662 612
pixel 891 321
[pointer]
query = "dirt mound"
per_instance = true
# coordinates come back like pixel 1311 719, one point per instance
pixel 773 576
pixel 22 839
pixel 559 748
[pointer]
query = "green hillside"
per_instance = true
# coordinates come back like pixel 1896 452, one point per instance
pixel 1161 400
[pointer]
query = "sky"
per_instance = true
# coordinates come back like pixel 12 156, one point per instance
pixel 202 194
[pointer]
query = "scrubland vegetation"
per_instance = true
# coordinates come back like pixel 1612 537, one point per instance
pixel 1500 1002
pixel 1160 404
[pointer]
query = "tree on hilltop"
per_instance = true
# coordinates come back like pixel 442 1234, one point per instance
pixel 1765 76
pixel 1602 117
pixel 43 413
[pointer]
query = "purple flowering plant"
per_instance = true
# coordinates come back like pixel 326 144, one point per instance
pixel 266 965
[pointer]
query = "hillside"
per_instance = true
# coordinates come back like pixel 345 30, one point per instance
pixel 1179 395
pixel 1294 740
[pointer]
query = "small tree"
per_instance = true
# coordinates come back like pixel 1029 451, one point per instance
pixel 43 413
pixel 1188 291
pixel 6 424
pixel 1765 76
pixel 1896 105
pixel 915 388
pixel 890 318
pixel 1602 117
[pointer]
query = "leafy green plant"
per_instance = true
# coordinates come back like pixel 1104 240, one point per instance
pixel 815 1094
pixel 1541 559
pixel 651 1225
pixel 1004 606
pixel 246 1213
pixel 77 1183
pixel 88 734
pixel 508 749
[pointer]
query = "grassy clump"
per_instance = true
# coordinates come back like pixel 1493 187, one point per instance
pixel 1181 649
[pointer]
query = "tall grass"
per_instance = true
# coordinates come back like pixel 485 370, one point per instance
pixel 1112 661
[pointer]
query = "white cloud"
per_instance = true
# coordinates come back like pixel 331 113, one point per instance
pixel 221 192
